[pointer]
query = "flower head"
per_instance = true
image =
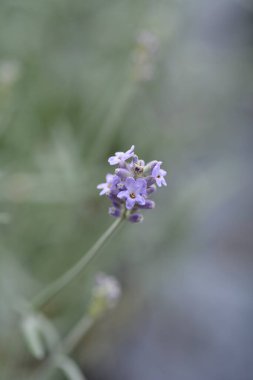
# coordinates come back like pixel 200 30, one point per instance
pixel 131 185
pixel 121 157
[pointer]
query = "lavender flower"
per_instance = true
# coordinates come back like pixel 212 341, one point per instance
pixel 134 193
pixel 132 184
pixel 159 174
pixel 109 185
pixel 121 157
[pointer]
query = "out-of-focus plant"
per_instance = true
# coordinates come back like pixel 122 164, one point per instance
pixel 128 189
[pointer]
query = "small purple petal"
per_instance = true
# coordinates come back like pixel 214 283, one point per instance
pixel 109 177
pixel 130 151
pixel 103 187
pixel 141 185
pixel 156 170
pixel 130 184
pixel 140 200
pixel 164 183
pixel 130 203
pixel 113 160
pixel 123 194
pixel 135 159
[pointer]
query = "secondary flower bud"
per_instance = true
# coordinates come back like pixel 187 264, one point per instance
pixel 105 294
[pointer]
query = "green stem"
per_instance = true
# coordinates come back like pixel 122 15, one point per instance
pixel 75 335
pixel 63 348
pixel 49 292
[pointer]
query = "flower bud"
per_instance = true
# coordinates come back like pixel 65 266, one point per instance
pixel 151 189
pixel 122 173
pixel 135 159
pixel 115 211
pixel 105 294
pixel 135 218
pixel 150 180
pixel 149 167
pixel 148 205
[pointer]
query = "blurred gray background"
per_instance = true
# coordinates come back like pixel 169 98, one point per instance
pixel 74 88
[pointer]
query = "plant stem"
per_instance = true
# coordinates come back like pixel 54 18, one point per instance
pixel 49 292
pixel 63 348
pixel 75 335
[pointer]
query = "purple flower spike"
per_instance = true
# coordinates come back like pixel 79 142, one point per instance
pixel 110 186
pixel 131 185
pixel 134 193
pixel 121 157
pixel 159 174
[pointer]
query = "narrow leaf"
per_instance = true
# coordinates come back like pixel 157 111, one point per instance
pixel 69 368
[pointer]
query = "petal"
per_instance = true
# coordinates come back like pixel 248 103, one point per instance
pixel 141 200
pixel 164 182
pixel 135 159
pixel 163 172
pixel 102 186
pixel 159 182
pixel 156 170
pixel 130 184
pixel 113 160
pixel 109 177
pixel 130 203
pixel 123 194
pixel 141 185
pixel 130 151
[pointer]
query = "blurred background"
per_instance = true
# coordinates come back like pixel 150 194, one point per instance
pixel 80 80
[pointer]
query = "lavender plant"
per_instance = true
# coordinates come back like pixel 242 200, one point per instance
pixel 129 189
